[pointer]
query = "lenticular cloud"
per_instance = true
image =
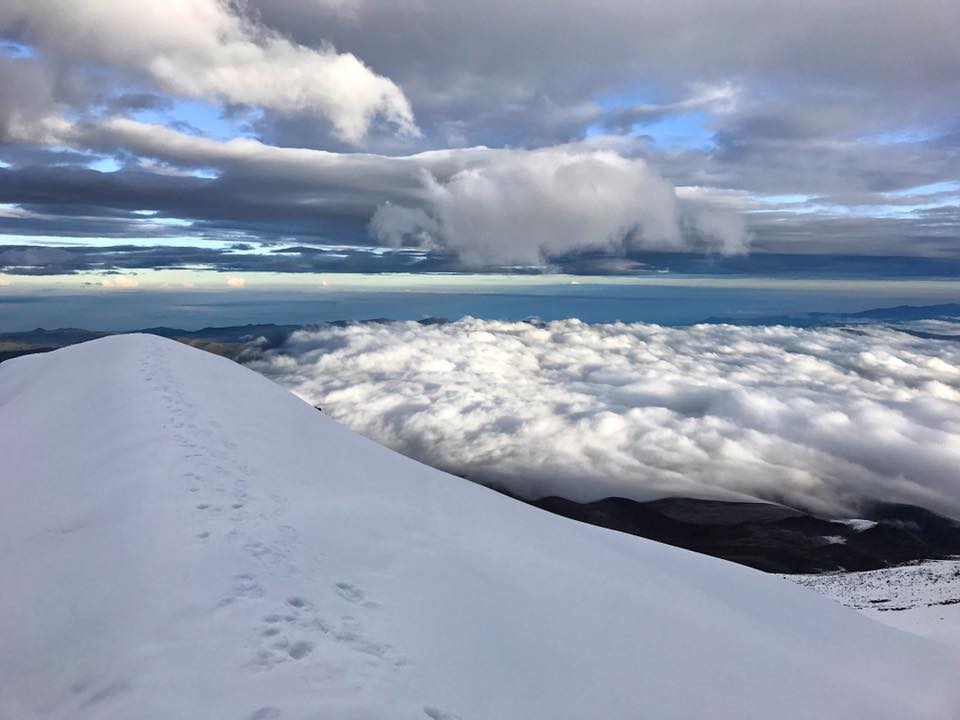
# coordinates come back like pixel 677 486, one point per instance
pixel 826 418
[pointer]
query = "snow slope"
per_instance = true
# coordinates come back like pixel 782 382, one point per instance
pixel 181 538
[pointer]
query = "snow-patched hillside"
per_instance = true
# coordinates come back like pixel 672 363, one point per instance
pixel 181 538
pixel 922 598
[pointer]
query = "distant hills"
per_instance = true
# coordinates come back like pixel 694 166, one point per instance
pixel 900 313
pixel 232 341
pixel 776 538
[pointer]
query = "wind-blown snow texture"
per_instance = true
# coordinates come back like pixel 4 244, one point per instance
pixel 820 418
pixel 181 538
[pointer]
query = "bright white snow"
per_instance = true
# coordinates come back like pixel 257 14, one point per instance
pixel 858 525
pixel 181 538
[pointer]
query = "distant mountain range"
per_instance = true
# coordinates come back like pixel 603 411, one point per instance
pixel 898 314
pixel 775 538
pixel 228 341
pixel 233 341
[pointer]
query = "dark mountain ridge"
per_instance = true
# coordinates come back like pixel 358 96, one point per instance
pixel 775 538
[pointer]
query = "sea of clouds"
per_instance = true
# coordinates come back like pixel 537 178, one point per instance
pixel 823 418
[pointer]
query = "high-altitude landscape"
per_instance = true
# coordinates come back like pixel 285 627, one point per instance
pixel 458 360
pixel 615 425
pixel 203 539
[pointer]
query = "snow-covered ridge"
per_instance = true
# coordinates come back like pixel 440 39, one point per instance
pixel 184 539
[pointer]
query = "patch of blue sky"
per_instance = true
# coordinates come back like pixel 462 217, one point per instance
pixel 948 186
pixel 17 50
pixel 205 118
pixel 103 242
pixel 901 136
pixel 865 211
pixel 595 130
pixel 878 210
pixel 686 131
pixel 689 131
pixel 801 204
pixel 787 199
pixel 105 164
pixel 679 130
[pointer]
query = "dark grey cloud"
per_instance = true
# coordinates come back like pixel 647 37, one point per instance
pixel 528 66
pixel 136 101
pixel 67 260
pixel 245 257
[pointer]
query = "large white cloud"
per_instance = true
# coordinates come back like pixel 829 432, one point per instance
pixel 207 49
pixel 822 418
pixel 528 206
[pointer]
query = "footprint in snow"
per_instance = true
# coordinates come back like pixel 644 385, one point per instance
pixel 265 713
pixel 437 714
pixel 246 588
pixel 353 594
pixel 300 649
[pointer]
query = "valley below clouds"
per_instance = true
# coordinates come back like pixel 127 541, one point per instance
pixel 827 419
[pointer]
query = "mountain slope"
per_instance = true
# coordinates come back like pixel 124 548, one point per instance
pixel 184 539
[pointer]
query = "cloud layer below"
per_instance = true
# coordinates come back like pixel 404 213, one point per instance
pixel 827 419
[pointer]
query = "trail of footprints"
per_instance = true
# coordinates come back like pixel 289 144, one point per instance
pixel 220 488
pixel 293 631
pixel 221 501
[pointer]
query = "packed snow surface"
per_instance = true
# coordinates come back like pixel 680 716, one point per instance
pixel 181 538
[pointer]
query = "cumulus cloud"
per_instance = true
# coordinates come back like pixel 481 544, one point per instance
pixel 209 49
pixel 237 282
pixel 826 419
pixel 528 206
